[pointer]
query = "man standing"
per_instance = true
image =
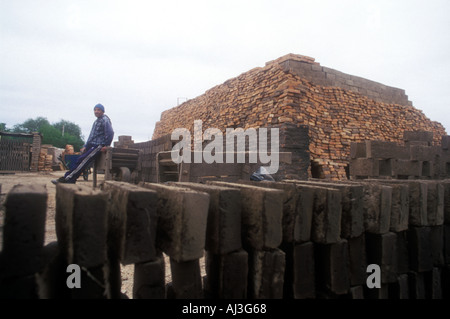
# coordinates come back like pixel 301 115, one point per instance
pixel 100 137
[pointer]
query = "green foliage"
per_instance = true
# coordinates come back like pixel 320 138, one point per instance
pixel 58 134
pixel 3 127
pixel 31 125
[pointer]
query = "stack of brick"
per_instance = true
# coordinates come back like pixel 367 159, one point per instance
pixel 262 211
pixel 124 141
pixel 338 108
pixel 226 261
pixel 45 162
pixel 22 255
pixel 417 158
pixel 291 239
pixel 181 231
pixel 148 155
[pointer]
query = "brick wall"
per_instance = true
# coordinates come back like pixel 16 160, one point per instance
pixel 271 240
pixel 338 108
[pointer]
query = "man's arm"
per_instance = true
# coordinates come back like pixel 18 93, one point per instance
pixel 109 132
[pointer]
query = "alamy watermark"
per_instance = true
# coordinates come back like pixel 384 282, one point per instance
pixel 214 151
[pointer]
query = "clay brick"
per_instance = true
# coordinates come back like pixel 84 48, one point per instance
pixel 357 260
pixel 400 288
pixel 266 274
pixel 377 207
pixel 227 275
pixel 421 258
pixel 331 261
pixel 24 230
pixel 81 224
pixel 299 277
pixel 435 203
pixel 262 212
pixel 186 279
pixel 132 222
pixel 352 220
pixel 297 210
pixel 223 232
pixel 149 279
pixel 382 250
pixel 182 220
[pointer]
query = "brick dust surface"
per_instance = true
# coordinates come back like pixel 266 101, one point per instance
pixel 9 179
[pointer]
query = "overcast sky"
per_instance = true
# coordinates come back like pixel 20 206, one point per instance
pixel 139 58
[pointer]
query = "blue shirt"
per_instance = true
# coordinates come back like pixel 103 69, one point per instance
pixel 102 132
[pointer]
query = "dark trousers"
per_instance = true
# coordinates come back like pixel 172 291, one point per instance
pixel 82 163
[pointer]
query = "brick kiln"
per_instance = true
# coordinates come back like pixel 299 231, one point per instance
pixel 338 108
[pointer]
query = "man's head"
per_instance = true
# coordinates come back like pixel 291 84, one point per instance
pixel 99 110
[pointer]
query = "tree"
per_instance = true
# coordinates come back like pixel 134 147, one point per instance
pixel 3 127
pixel 30 125
pixel 58 134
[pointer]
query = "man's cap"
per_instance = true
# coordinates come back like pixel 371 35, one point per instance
pixel 101 107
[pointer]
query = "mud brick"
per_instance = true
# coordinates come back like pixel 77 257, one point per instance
pixel 94 284
pixel 446 185
pixel 385 150
pixel 418 193
pixel 445 142
pixel 364 167
pixel 262 213
pixel 400 288
pixel 186 279
pixel 227 275
pixel 437 244
pixel 223 231
pixel 352 219
pixel 331 267
pixel 297 209
pixel 24 230
pixel 418 203
pixel 149 279
pixel 357 150
pixel 445 277
pixel 132 221
pixel 421 153
pixel 266 274
pixel 377 207
pixel 422 136
pixel 81 224
pixel 357 260
pixel 421 258
pixel 416 283
pixel 382 250
pixel 402 252
pixel 407 168
pixel 299 276
pixel 432 279
pixel 52 279
pixel 327 212
pixel 435 203
pixel 182 220
pixel 446 231
pixel 400 208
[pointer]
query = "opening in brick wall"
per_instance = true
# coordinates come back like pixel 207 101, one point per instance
pixel 385 168
pixel 317 170
pixel 426 169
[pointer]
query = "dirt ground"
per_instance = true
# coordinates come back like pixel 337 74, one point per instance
pixel 8 180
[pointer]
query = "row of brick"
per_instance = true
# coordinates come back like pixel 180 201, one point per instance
pixel 417 158
pixel 338 110
pixel 291 239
